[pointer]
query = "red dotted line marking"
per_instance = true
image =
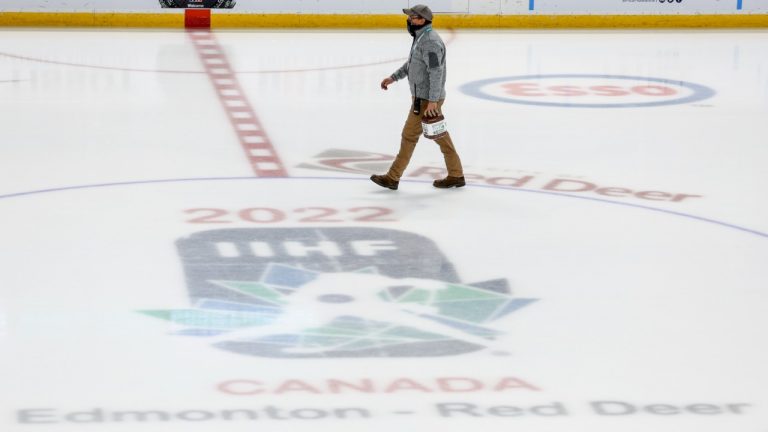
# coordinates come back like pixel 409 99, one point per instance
pixel 258 148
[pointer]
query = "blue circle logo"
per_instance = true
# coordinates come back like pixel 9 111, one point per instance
pixel 587 91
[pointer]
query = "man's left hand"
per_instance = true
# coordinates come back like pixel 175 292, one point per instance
pixel 431 110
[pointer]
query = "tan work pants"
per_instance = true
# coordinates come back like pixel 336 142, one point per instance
pixel 411 133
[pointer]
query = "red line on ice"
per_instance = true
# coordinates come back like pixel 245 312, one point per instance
pixel 256 144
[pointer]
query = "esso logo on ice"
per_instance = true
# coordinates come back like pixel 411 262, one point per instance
pixel 588 91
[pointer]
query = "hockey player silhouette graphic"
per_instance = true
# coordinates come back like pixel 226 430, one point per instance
pixel 330 296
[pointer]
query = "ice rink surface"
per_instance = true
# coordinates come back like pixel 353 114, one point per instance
pixel 190 242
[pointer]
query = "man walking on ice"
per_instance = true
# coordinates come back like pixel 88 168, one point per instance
pixel 426 71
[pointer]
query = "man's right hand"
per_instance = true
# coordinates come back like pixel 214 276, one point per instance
pixel 385 82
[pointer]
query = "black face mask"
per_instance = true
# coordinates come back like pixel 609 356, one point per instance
pixel 412 29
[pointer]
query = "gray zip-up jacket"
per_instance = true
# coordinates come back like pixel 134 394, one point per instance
pixel 425 67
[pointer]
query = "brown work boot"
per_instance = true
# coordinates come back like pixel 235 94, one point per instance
pixel 449 182
pixel 384 181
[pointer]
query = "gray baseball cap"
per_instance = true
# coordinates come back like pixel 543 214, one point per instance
pixel 420 10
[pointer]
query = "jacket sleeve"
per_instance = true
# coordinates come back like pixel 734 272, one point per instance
pixel 400 73
pixel 434 57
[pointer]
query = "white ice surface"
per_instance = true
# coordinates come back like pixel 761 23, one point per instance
pixel 639 300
